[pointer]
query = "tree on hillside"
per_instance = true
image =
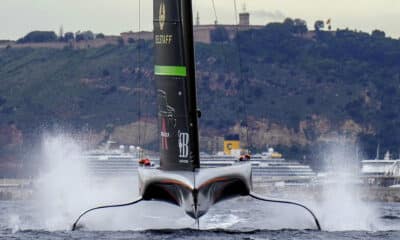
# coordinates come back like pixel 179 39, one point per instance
pixel 38 37
pixel 288 22
pixel 300 26
pixel 319 25
pixel 378 34
pixel 297 26
pixel 278 29
pixel 69 36
pixel 100 36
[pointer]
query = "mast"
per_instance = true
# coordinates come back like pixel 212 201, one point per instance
pixel 176 86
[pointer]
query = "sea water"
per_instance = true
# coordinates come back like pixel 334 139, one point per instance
pixel 65 188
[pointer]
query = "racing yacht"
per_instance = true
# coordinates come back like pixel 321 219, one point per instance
pixel 179 179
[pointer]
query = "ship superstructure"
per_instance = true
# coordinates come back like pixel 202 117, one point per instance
pixel 267 166
pixel 111 159
pixel 381 172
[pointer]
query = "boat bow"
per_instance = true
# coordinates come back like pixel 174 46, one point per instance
pixel 195 191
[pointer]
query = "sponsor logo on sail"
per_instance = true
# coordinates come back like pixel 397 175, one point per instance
pixel 162 39
pixel 162 15
pixel 183 145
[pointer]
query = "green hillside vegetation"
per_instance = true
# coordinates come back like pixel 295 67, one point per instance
pixel 70 87
pixel 289 78
pixel 279 74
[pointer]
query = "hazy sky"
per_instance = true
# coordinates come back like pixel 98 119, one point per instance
pixel 18 17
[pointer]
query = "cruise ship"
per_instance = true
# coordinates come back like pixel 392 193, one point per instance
pixel 112 160
pixel 381 172
pixel 268 166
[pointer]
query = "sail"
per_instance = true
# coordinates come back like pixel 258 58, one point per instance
pixel 175 81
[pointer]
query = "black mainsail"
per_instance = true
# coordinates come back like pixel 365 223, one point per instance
pixel 176 87
pixel 179 180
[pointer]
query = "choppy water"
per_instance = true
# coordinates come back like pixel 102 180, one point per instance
pixel 210 234
pixel 239 219
pixel 65 188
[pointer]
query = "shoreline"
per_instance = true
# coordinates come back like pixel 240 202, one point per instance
pixel 317 192
pixel 24 189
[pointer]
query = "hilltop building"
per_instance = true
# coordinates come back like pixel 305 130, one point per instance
pixel 84 40
pixel 202 33
pixel 244 19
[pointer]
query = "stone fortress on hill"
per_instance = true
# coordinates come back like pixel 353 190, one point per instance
pixel 202 34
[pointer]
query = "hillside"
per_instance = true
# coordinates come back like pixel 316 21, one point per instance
pixel 291 91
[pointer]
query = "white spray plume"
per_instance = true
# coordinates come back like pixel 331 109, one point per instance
pixel 342 207
pixel 63 184
pixel 66 188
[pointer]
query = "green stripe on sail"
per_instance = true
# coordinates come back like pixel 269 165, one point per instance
pixel 179 71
